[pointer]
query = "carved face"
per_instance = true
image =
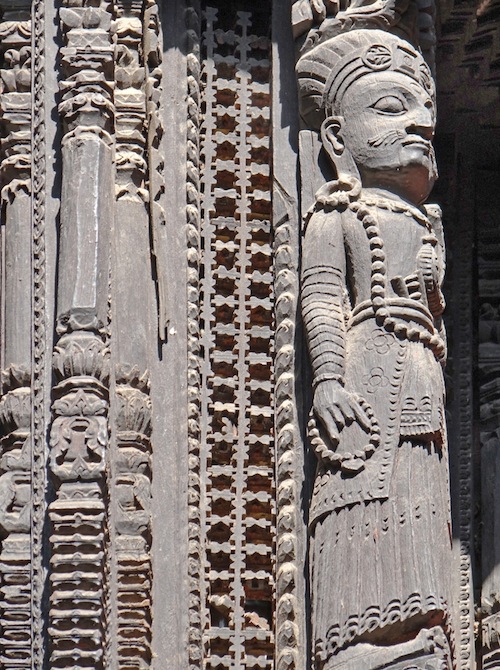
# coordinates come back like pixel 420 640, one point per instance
pixel 386 125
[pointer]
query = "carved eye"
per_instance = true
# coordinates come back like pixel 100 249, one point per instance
pixel 389 104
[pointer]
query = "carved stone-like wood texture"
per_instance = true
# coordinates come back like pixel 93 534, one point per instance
pixel 237 340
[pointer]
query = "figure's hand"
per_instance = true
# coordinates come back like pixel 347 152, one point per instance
pixel 335 408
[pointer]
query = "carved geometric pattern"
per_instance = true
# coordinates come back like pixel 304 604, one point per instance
pixel 237 321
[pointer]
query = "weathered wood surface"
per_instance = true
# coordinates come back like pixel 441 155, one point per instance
pixel 158 497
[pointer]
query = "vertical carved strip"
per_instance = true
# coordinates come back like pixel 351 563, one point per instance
pixel 132 522
pixel 15 403
pixel 291 647
pixel 153 56
pixel 287 437
pixel 195 561
pixel 486 210
pixel 79 433
pixel 131 272
pixel 38 420
pixel 463 432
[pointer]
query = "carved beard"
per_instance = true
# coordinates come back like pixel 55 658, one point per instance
pixel 412 181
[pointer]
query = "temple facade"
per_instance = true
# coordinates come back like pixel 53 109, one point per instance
pixel 250 334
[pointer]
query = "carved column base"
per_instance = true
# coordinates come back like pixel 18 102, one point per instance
pixel 77 599
pixel 428 651
pixel 134 602
pixel 15 602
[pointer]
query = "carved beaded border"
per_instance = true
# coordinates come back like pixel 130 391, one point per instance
pixel 288 497
pixel 195 567
pixel 39 328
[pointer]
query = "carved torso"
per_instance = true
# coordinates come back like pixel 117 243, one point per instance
pixel 393 368
pixel 380 498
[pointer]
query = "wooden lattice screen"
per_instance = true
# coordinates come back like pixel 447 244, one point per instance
pixel 237 336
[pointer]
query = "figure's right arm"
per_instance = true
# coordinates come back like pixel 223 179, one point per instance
pixel 323 290
pixel 324 300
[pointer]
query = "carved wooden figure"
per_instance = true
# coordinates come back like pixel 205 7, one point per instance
pixel 373 263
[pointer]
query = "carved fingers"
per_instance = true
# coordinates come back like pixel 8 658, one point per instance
pixel 336 408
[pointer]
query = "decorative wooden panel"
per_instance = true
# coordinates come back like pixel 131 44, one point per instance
pixel 237 337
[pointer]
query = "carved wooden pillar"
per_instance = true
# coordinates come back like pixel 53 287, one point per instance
pixel 79 437
pixel 15 403
pixel 130 462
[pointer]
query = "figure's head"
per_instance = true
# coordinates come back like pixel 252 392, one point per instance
pixel 372 96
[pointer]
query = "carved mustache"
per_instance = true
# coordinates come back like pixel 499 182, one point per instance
pixel 386 137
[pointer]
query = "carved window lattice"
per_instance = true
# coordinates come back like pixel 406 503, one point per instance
pixel 237 340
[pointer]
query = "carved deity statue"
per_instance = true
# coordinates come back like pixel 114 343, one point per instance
pixel 373 263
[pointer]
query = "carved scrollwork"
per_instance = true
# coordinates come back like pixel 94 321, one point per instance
pixel 82 354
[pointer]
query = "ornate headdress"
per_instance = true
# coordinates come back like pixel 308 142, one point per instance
pixel 327 70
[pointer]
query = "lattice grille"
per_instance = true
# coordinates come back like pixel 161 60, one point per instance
pixel 237 321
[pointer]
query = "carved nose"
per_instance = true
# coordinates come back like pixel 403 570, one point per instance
pixel 424 130
pixel 422 124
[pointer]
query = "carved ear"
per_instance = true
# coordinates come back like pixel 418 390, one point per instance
pixel 331 136
pixel 338 153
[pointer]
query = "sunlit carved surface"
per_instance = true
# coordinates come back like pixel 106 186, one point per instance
pixel 222 427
